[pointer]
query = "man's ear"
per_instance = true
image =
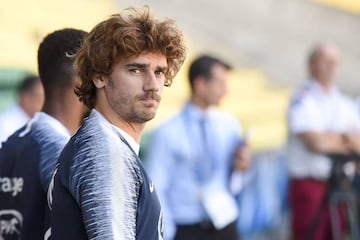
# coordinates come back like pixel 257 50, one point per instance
pixel 98 80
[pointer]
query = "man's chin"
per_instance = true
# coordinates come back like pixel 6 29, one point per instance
pixel 144 118
pixel 148 118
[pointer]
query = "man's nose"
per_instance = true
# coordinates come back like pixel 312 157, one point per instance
pixel 151 82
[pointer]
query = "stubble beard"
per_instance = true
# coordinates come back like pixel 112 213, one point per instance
pixel 126 106
pixel 140 117
pixel 136 113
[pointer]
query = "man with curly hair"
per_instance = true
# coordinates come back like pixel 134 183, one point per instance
pixel 100 189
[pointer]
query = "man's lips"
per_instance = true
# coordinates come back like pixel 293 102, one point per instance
pixel 150 100
pixel 151 97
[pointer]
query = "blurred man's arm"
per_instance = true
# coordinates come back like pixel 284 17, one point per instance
pixel 330 142
pixel 324 142
pixel 353 141
pixel 242 157
pixel 241 163
pixel 241 160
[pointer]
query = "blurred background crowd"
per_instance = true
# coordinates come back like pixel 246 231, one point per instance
pixel 270 47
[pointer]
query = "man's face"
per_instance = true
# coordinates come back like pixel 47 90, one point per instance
pixel 32 101
pixel 326 66
pixel 215 88
pixel 133 89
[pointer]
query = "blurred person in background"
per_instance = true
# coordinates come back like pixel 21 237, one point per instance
pixel 30 100
pixel 356 186
pixel 321 120
pixel 28 157
pixel 101 190
pixel 356 180
pixel 190 158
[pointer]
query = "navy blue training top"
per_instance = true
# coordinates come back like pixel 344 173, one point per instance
pixel 101 190
pixel 27 160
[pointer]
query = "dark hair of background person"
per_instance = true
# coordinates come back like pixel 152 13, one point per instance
pixel 28 84
pixel 56 58
pixel 201 67
pixel 123 36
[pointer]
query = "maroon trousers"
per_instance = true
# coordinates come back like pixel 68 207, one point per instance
pixel 306 196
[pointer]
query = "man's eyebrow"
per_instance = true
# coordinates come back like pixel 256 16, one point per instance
pixel 162 68
pixel 137 65
pixel 144 65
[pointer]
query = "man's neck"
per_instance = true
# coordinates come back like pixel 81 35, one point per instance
pixel 199 103
pixel 64 111
pixel 131 128
pixel 325 86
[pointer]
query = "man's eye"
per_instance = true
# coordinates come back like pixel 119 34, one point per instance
pixel 159 73
pixel 134 70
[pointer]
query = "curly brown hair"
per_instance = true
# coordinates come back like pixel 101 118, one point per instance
pixel 124 35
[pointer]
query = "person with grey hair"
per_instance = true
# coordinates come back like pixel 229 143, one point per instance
pixel 321 120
